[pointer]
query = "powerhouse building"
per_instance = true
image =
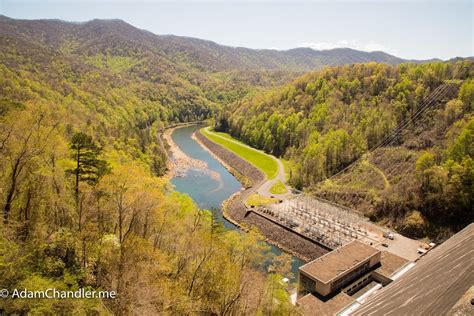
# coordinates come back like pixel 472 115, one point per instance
pixel 337 269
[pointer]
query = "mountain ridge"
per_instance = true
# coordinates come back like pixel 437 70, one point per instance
pixel 206 54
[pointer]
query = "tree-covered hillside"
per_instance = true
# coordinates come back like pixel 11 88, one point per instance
pixel 81 109
pixel 421 181
pixel 78 214
pixel 121 38
pixel 114 81
pixel 131 82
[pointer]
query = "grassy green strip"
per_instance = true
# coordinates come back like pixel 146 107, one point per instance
pixel 262 161
pixel 257 200
pixel 278 188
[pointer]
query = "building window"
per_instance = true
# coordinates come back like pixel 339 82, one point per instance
pixel 350 276
pixel 307 285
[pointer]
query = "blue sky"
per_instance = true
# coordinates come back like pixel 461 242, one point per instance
pixel 409 29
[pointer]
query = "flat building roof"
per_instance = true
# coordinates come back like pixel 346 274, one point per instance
pixel 338 261
pixel 390 264
pixel 311 305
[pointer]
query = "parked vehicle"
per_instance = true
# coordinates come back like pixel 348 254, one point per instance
pixel 421 251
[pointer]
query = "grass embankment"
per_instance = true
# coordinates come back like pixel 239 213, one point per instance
pixel 256 199
pixel 262 161
pixel 278 188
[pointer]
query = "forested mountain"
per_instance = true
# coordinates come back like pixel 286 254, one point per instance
pixel 421 181
pixel 81 108
pixel 113 81
pixel 122 39
pixel 131 82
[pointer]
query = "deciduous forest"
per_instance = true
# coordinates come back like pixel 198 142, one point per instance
pixel 83 195
pixel 84 203
pixel 421 181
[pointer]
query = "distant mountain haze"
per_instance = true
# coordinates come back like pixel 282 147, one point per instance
pixel 120 38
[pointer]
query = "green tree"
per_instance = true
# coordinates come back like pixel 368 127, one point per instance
pixel 466 95
pixel 463 145
pixel 88 167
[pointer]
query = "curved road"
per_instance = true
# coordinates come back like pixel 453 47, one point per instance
pixel 264 189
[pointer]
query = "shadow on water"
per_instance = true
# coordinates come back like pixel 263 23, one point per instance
pixel 210 189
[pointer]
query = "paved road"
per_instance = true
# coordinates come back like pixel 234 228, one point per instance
pixel 264 189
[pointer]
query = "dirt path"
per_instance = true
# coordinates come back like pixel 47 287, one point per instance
pixel 379 171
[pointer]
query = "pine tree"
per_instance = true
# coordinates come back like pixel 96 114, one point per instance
pixel 89 168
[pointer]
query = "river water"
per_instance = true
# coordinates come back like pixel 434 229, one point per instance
pixel 206 190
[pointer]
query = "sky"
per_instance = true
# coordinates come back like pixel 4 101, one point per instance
pixel 417 29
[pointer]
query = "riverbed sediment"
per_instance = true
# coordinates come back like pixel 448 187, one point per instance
pixel 179 162
pixel 235 211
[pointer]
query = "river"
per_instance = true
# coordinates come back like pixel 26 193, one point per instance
pixel 209 191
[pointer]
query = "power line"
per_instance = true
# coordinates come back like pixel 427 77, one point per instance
pixel 439 91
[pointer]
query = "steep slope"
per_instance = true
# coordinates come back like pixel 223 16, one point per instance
pixel 132 82
pixel 81 108
pixel 114 80
pixel 419 181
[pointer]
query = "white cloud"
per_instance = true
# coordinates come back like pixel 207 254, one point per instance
pixel 354 44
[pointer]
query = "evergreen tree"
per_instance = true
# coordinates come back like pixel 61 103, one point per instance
pixel 89 168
